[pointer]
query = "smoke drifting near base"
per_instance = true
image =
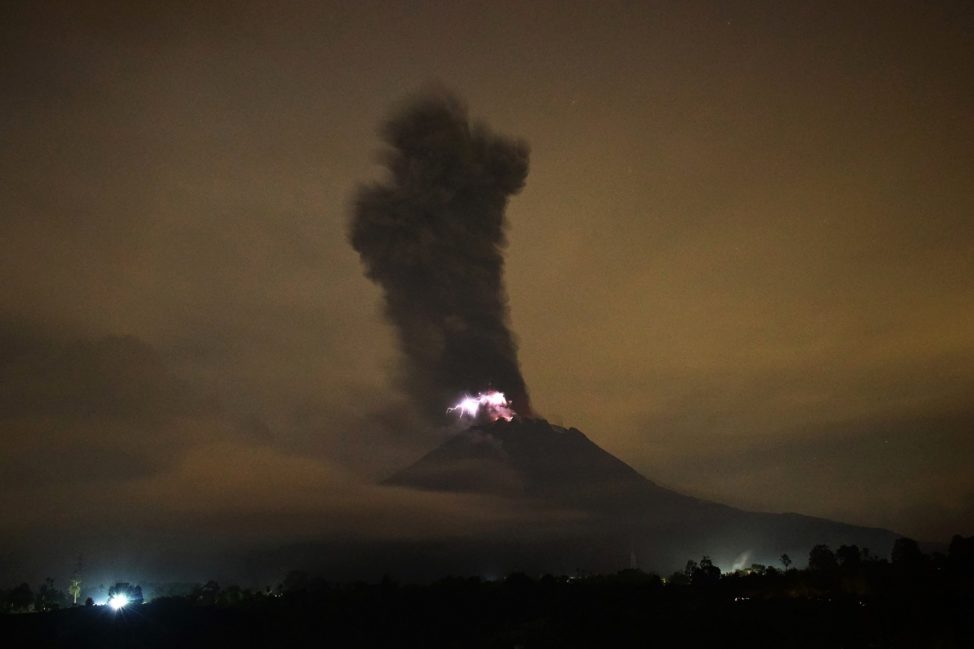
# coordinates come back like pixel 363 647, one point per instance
pixel 432 234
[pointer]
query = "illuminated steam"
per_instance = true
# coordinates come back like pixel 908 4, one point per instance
pixel 431 235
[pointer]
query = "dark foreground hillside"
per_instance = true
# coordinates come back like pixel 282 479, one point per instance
pixel 921 603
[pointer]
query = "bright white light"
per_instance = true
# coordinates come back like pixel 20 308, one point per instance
pixel 118 601
pixel 493 403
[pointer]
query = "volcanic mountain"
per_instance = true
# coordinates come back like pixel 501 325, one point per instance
pixel 617 515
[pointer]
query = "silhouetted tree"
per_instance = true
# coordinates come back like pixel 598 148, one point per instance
pixel 74 589
pixel 518 580
pixel 960 554
pixel 89 602
pixel 938 561
pixel 906 553
pixel 705 574
pixel 48 597
pixel 207 594
pixel 848 556
pixel 21 598
pixel 821 558
pixel 786 561
pixel 231 595
pixel 294 581
pixel 678 579
pixel 74 585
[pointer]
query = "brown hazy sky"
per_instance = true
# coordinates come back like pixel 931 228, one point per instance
pixel 743 261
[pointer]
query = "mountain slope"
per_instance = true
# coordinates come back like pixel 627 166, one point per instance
pixel 619 509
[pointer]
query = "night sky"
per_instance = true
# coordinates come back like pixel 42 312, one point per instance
pixel 743 259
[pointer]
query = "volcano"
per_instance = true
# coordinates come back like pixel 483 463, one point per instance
pixel 617 516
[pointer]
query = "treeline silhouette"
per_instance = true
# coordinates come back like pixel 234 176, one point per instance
pixel 844 598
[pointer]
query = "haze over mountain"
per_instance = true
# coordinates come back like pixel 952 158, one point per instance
pixel 616 511
pixel 742 262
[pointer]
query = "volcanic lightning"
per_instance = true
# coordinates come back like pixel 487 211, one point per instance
pixel 493 405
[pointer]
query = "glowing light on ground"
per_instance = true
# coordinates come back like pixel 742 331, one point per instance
pixel 742 561
pixel 493 405
pixel 118 601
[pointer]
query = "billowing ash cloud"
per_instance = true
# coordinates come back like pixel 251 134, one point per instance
pixel 431 235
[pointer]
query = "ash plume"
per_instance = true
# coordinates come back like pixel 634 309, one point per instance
pixel 432 234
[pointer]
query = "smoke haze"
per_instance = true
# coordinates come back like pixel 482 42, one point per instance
pixel 744 267
pixel 432 236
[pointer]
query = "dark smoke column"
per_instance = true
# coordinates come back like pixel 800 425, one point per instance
pixel 431 235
